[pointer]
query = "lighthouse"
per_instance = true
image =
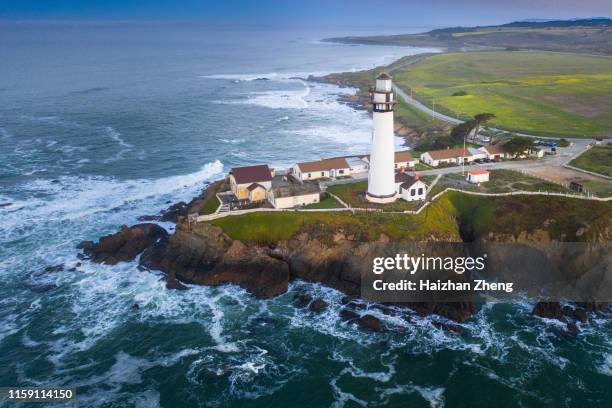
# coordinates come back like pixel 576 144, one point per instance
pixel 381 177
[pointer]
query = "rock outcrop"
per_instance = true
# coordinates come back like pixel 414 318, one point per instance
pixel 208 257
pixel 125 245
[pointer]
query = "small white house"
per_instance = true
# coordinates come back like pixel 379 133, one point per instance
pixel 447 156
pixel 410 188
pixel 326 168
pixel 477 176
pixel 404 160
pixel 494 152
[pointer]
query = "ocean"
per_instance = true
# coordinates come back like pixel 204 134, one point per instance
pixel 101 123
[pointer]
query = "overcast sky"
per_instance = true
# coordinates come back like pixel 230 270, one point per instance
pixel 308 12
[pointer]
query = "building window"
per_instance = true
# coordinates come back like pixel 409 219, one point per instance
pixel 322 174
pixel 341 171
pixel 309 174
pixel 396 165
pixel 421 191
pixel 412 192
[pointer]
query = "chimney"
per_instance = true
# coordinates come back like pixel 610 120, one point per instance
pixel 416 176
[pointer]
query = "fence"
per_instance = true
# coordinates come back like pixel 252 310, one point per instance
pixel 204 218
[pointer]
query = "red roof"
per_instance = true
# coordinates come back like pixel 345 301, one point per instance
pixel 252 174
pixel 476 172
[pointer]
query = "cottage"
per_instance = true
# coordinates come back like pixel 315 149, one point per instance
pixel 326 168
pixel 410 188
pixel 250 182
pixel 447 156
pixel 494 152
pixel 477 176
pixel 404 160
pixel 257 192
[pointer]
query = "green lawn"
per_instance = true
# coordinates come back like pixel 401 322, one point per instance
pixel 597 159
pixel 327 201
pixel 210 206
pixel 549 94
pixel 354 195
pixel 441 220
pixel 500 181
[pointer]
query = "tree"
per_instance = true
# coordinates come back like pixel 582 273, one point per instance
pixel 461 131
pixel 518 145
pixel 482 118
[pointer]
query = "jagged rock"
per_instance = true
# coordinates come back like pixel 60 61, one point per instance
pixel 348 314
pixel 457 311
pixel 452 328
pixel 135 306
pixel 2 205
pixel 369 323
pixel 206 256
pixel 173 283
pixel 572 329
pixel 548 310
pixel 302 300
pixel 125 245
pixel 318 305
pixel 54 268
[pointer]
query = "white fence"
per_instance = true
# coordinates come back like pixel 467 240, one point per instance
pixel 204 218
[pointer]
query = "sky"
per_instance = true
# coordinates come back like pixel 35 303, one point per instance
pixel 389 13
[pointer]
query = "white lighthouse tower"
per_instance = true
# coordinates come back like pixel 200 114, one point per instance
pixel 381 177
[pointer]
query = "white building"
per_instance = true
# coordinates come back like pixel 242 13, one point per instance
pixel 381 186
pixel 477 176
pixel 447 156
pixel 410 188
pixel 477 153
pixel 494 152
pixel 251 182
pixel 404 160
pixel 326 168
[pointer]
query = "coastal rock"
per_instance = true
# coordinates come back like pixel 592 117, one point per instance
pixel 302 300
pixel 208 257
pixel 318 305
pixel 54 268
pixel 3 205
pixel 125 245
pixel 548 310
pixel 173 283
pixel 369 323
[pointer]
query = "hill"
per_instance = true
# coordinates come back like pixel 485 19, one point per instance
pixel 593 36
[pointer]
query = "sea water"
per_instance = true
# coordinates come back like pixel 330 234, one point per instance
pixel 102 123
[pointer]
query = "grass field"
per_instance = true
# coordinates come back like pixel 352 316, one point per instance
pixel 548 94
pixel 597 159
pixel 440 221
pixel 326 202
pixel 500 181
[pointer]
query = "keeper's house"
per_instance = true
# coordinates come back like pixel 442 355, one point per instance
pixel 410 188
pixel 251 183
pixel 494 152
pixel 326 168
pixel 403 160
pixel 447 156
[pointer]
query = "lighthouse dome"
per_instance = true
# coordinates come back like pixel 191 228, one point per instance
pixel 383 82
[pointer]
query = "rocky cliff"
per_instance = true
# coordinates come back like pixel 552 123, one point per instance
pixel 331 249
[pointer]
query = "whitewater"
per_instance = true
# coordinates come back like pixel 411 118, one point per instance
pixel 120 121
